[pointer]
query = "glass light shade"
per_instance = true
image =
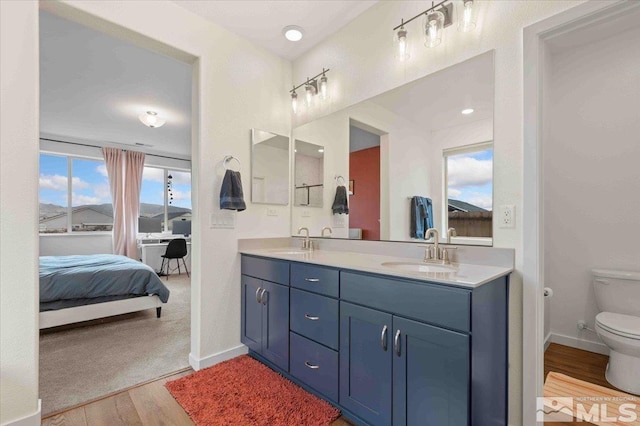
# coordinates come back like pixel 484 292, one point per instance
pixel 309 92
pixel 401 42
pixel 294 102
pixel 151 119
pixel 433 28
pixel 466 20
pixel 324 87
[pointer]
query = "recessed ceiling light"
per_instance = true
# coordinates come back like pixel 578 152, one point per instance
pixel 467 111
pixel 293 33
pixel 151 119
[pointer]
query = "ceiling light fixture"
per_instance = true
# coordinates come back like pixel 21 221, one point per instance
pixel 467 111
pixel 151 119
pixel 438 17
pixel 311 88
pixel 293 33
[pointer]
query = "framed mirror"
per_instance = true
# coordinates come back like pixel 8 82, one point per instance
pixel 269 168
pixel 308 174
pixel 416 157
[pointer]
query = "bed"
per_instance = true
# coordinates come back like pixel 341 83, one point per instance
pixel 83 288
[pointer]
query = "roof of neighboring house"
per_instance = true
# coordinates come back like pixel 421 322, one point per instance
pixel 75 210
pixel 172 215
pixel 461 206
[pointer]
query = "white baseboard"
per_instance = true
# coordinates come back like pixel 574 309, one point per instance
pixel 208 361
pixel 547 341
pixel 574 342
pixel 30 420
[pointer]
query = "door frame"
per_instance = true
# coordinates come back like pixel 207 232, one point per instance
pixel 535 50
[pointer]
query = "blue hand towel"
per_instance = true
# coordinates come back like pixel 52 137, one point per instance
pixel 421 216
pixel 340 204
pixel 231 196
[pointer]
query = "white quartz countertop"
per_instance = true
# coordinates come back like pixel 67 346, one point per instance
pixel 460 274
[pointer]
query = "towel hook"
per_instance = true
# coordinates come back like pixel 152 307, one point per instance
pixel 229 158
pixel 338 177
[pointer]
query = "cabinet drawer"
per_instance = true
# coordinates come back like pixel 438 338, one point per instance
pixel 314 365
pixel 315 278
pixel 435 304
pixel 276 271
pixel 315 317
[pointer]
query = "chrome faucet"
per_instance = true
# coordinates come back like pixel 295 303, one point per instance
pixel 326 228
pixel 307 244
pixel 451 232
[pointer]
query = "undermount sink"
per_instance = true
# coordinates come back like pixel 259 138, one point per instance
pixel 419 267
pixel 292 251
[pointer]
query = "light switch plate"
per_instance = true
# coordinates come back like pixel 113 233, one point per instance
pixel 507 216
pixel 223 220
pixel 339 221
pixel 272 212
pixel 306 213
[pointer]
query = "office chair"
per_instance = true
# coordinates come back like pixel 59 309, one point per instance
pixel 176 249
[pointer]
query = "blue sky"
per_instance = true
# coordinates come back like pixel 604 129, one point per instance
pixel 90 184
pixel 470 178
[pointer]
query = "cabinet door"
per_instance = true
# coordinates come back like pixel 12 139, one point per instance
pixel 251 313
pixel 275 324
pixel 430 375
pixel 365 363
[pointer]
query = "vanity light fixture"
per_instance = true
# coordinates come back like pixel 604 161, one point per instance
pixel 467 111
pixel 313 86
pixel 293 33
pixel 151 119
pixel 438 17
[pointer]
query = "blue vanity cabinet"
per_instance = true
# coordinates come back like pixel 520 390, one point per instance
pixel 365 363
pixel 265 309
pixel 430 375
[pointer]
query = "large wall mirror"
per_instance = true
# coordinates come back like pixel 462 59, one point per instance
pixel 308 174
pixel 269 168
pixel 417 156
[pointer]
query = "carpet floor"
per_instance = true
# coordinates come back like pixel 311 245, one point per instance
pixel 80 363
pixel 243 391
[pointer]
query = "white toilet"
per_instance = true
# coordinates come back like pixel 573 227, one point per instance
pixel 618 325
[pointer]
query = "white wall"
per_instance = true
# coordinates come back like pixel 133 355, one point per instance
pixel 230 72
pixel 592 176
pixel 19 212
pixel 362 64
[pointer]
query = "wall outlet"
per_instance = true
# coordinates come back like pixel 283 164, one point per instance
pixel 272 212
pixel 507 216
pixel 223 220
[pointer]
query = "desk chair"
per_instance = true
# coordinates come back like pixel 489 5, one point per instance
pixel 176 249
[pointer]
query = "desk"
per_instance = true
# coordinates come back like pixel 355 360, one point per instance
pixel 150 253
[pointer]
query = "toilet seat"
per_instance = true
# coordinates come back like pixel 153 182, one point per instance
pixel 622 325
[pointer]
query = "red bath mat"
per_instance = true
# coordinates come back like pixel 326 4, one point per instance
pixel 243 391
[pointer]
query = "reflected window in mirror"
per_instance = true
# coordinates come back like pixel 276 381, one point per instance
pixel 269 168
pixel 308 174
pixel 468 188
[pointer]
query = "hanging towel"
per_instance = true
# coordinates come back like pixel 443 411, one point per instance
pixel 421 216
pixel 340 204
pixel 231 196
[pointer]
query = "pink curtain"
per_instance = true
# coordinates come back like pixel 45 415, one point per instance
pixel 114 164
pixel 134 166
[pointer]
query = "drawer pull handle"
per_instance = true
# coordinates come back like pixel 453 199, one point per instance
pixel 311 366
pixel 263 299
pixel 312 280
pixel 383 338
pixel 396 343
pixel 258 295
pixel 310 318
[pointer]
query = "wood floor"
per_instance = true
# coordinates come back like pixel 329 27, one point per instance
pixel 147 404
pixel 152 404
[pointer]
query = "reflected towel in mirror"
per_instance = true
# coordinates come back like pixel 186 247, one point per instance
pixel 340 204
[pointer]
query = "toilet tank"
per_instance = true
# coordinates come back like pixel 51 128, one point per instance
pixel 617 291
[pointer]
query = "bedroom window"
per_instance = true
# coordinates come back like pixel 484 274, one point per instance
pixel 79 204
pixel 165 196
